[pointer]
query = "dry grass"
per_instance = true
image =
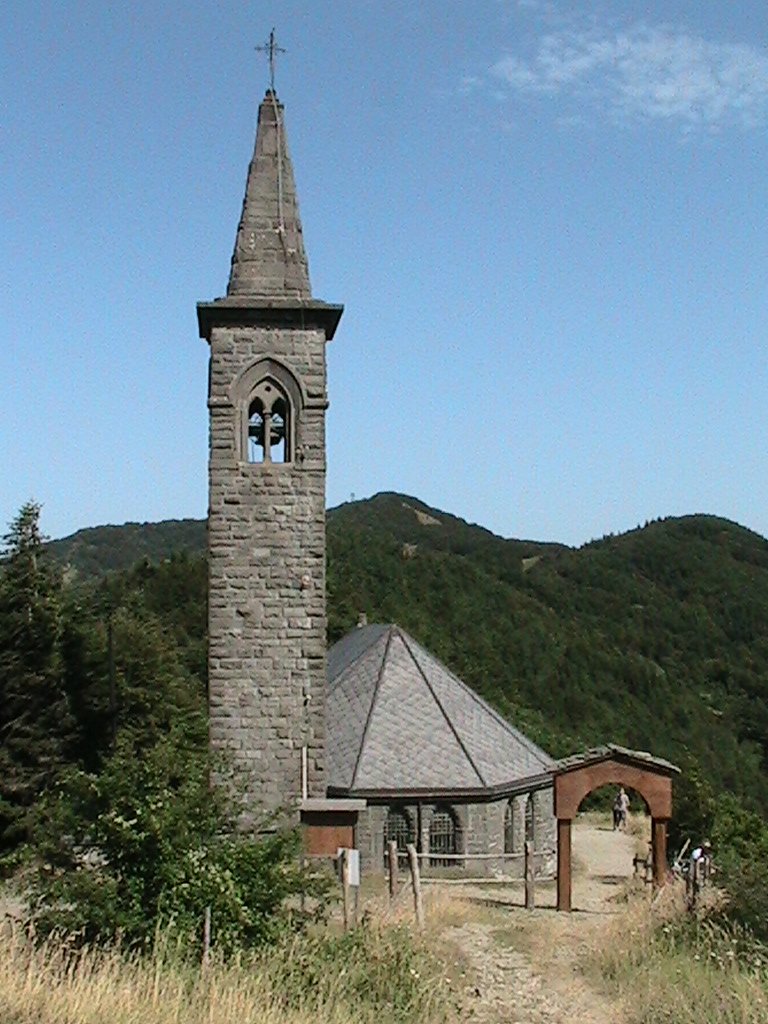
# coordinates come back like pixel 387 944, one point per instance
pixel 445 906
pixel 375 976
pixel 51 984
pixel 668 972
pixel 385 973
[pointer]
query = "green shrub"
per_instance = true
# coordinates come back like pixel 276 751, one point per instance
pixel 148 844
pixel 741 853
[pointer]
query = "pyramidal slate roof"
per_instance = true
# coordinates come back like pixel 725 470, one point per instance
pixel 400 722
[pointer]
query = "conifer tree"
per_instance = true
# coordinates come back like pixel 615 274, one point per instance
pixel 35 721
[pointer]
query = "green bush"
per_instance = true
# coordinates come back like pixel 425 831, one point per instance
pixel 747 900
pixel 148 844
pixel 740 846
pixel 695 806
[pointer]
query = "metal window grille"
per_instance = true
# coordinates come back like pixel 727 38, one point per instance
pixel 443 839
pixel 399 828
pixel 509 827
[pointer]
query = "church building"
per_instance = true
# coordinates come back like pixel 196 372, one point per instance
pixel 437 766
pixel 379 721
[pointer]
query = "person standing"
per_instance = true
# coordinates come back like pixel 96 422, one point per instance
pixel 623 801
pixel 699 871
pixel 617 812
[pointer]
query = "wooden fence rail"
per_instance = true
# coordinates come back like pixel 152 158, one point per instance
pixel 475 856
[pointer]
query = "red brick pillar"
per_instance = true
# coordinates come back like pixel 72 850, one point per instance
pixel 659 850
pixel 563 863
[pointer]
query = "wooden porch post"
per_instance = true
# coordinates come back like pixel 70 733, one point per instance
pixel 563 863
pixel 659 851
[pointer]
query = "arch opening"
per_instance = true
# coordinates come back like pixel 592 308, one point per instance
pixel 530 820
pixel 444 839
pixel 651 780
pixel 603 800
pixel 509 827
pixel 269 424
pixel 399 828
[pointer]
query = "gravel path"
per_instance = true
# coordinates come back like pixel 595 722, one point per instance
pixel 525 964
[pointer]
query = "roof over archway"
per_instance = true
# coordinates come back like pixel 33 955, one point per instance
pixel 399 724
pixel 579 774
pixel 612 751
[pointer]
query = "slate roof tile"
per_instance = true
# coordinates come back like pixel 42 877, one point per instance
pixel 351 697
pixel 398 719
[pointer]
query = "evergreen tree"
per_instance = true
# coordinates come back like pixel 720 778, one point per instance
pixel 35 722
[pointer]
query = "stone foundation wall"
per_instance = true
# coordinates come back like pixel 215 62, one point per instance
pixel 481 828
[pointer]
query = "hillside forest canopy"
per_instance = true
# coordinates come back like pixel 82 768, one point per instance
pixel 656 639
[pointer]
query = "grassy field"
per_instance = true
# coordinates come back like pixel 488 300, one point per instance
pixel 649 963
pixel 384 972
pixel 669 969
pixel 381 975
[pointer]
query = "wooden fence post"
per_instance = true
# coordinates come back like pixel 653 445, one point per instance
pixel 392 867
pixel 530 869
pixel 206 937
pixel 413 862
pixel 345 894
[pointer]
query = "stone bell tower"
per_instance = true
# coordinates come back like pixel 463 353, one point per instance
pixel 266 519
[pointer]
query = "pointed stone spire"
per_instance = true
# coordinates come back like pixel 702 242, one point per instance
pixel 269 260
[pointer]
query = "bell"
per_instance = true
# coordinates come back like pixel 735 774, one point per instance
pixel 276 430
pixel 256 432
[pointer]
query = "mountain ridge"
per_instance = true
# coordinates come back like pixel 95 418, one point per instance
pixel 656 638
pixel 88 548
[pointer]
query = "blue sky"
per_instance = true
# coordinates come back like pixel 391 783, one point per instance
pixel 546 221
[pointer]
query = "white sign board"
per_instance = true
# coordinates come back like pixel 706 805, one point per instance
pixel 353 864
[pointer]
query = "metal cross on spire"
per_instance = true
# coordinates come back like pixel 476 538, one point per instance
pixel 271 48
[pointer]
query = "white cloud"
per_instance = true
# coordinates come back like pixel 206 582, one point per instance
pixel 647 73
pixel 468 84
pixel 535 5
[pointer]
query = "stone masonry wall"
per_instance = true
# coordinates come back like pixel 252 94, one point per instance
pixel 266 546
pixel 482 832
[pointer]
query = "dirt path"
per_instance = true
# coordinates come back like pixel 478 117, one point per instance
pixel 525 964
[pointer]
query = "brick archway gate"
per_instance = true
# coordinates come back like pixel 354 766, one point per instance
pixel 577 776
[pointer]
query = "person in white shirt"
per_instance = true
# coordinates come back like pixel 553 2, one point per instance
pixel 699 870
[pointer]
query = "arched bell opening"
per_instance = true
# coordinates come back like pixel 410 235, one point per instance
pixel 269 427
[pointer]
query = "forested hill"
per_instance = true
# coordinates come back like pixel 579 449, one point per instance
pixel 100 549
pixel 656 638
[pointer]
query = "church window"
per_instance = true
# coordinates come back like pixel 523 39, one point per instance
pixel 444 838
pixel 398 828
pixel 268 424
